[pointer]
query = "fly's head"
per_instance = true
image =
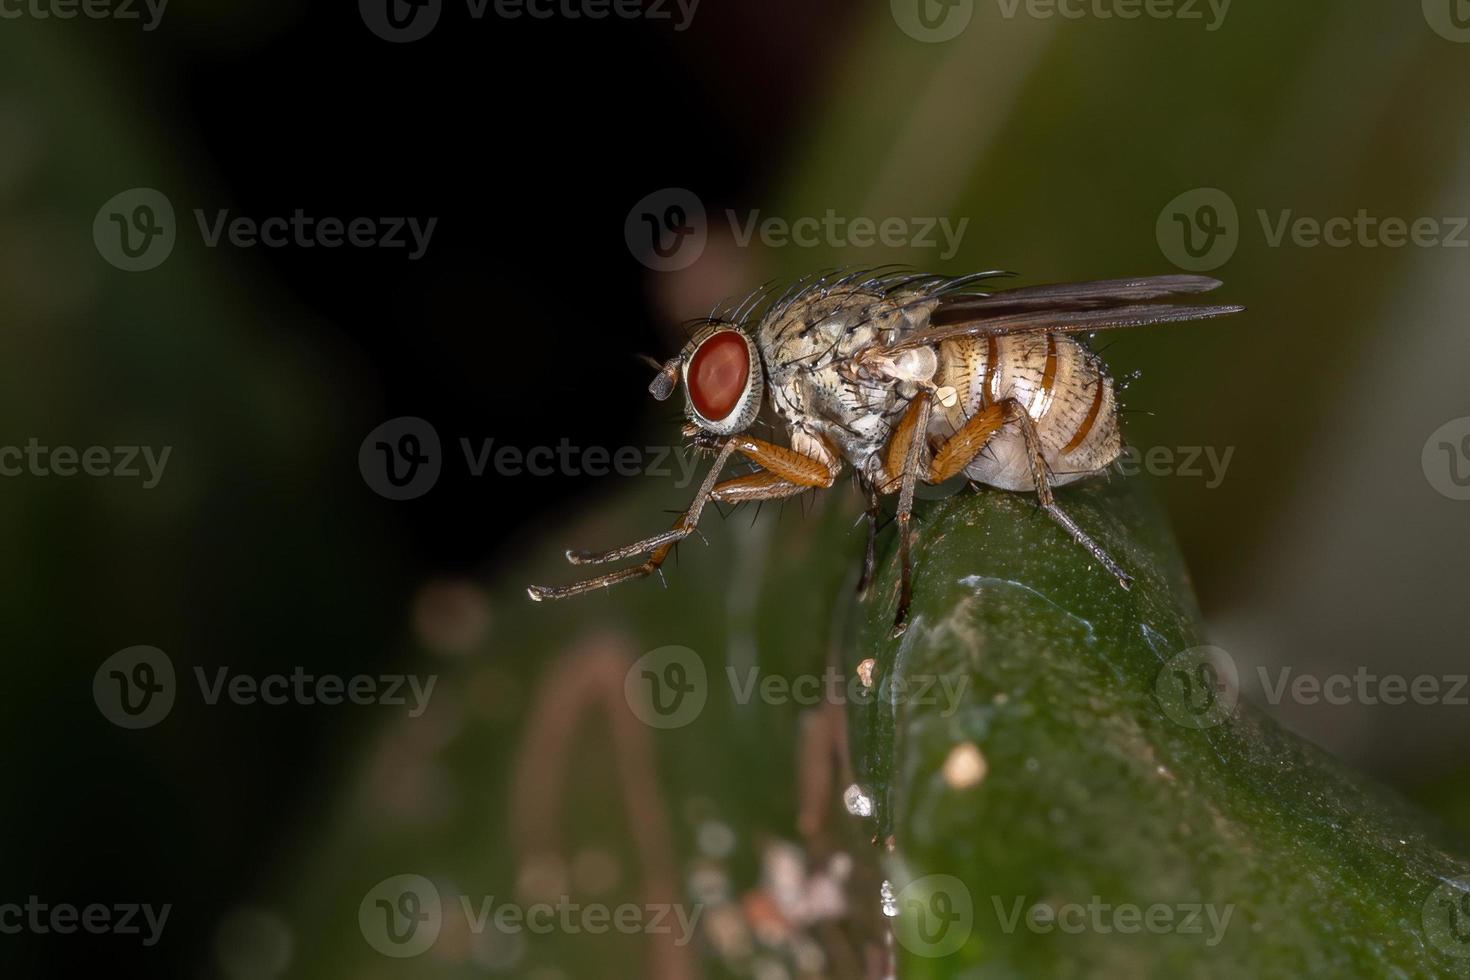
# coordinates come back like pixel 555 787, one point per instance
pixel 723 382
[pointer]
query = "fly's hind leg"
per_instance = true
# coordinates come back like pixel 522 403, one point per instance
pixel 1049 504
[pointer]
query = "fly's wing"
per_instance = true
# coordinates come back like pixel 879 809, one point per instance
pixel 1078 307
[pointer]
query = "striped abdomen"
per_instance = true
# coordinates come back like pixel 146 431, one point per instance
pixel 1059 383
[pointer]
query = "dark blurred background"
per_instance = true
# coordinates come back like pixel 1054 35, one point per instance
pixel 1325 545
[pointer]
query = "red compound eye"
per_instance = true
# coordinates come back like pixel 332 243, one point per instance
pixel 718 373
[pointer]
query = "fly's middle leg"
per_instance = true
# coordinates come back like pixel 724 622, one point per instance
pixel 904 466
pixel 1049 504
pixel 870 552
pixel 908 439
pixel 960 449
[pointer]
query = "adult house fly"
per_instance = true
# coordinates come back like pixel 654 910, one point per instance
pixel 856 364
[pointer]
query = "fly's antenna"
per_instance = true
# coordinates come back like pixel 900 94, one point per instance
pixel 663 383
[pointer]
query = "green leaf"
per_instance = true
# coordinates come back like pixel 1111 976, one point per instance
pixel 1171 829
pixel 1134 818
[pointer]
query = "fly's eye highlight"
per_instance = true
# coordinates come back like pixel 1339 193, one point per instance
pixel 718 374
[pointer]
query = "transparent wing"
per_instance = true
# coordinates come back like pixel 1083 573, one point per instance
pixel 1077 307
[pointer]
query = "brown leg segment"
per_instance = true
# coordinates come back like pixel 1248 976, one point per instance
pixel 870 553
pixel 900 443
pixel 961 448
pixel 807 471
pixel 657 548
pixel 754 486
pixel 761 485
pixel 908 477
pixel 1049 504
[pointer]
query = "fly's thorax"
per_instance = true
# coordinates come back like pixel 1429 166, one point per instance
pixel 809 346
pixel 827 326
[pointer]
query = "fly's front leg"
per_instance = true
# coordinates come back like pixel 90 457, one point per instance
pixel 657 548
pixel 761 485
pixel 787 473
pixel 1049 504
pixel 791 465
